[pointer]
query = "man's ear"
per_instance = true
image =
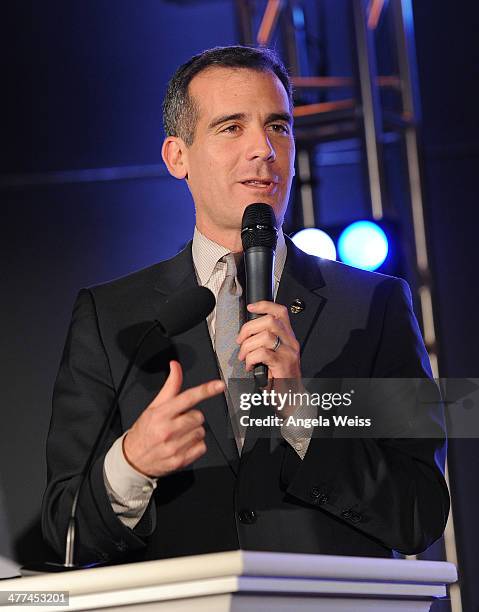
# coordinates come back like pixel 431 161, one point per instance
pixel 175 156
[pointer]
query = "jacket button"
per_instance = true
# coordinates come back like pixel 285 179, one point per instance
pixel 356 517
pixel 248 517
pixel 352 516
pixel 318 496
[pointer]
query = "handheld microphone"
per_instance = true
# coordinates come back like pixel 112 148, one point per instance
pixel 178 313
pixel 259 237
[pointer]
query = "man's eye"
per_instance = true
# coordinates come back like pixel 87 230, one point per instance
pixel 230 129
pixel 280 128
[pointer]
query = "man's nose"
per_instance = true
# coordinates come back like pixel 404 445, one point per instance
pixel 260 147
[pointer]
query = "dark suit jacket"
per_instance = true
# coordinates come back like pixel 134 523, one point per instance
pixel 348 496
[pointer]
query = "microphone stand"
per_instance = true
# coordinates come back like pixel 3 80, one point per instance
pixel 69 563
pixel 70 541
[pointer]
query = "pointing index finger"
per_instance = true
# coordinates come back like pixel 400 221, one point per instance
pixel 189 398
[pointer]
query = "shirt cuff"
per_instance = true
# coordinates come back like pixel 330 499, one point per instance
pixel 129 491
pixel 299 436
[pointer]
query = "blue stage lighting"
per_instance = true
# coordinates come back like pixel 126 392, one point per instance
pixel 315 242
pixel 363 244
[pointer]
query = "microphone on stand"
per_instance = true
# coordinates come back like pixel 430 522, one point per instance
pixel 259 236
pixel 179 313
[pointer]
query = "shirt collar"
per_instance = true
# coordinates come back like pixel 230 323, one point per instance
pixel 206 254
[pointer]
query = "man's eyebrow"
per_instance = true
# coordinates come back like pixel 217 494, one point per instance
pixel 224 118
pixel 286 117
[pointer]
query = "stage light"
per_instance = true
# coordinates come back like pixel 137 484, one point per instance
pixel 315 242
pixel 363 244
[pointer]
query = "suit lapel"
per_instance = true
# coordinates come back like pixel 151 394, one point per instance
pixel 301 280
pixel 196 355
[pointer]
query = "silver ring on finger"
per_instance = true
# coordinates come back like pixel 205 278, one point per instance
pixel 277 344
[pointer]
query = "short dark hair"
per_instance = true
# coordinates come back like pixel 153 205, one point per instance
pixel 180 113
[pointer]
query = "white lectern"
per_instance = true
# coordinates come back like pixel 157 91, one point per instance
pixel 248 581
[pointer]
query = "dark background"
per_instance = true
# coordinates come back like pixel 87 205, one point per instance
pixel 84 197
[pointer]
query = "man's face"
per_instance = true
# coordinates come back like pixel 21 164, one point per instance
pixel 243 148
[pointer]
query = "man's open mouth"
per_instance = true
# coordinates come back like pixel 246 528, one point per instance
pixel 259 183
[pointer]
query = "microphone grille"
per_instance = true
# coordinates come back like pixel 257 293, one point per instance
pixel 258 227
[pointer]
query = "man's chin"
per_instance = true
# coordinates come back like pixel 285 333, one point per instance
pixel 271 201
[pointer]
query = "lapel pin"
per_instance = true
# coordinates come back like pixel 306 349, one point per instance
pixel 297 306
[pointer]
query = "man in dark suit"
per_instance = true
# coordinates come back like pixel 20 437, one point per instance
pixel 172 479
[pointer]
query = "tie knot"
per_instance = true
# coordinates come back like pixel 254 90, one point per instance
pixel 232 261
